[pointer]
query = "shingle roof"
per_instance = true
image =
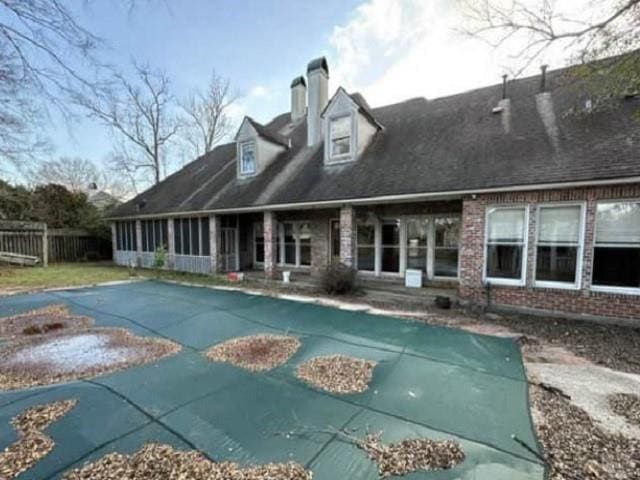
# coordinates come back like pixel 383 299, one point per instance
pixel 449 144
pixel 269 133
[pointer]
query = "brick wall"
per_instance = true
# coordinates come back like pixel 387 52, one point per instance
pixel 580 302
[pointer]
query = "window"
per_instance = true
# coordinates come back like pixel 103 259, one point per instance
pixel 505 244
pixel 304 239
pixel 258 242
pixel 390 244
pixel 126 236
pixel 289 244
pixel 559 244
pixel 294 238
pixel 616 253
pixel 446 247
pixel 340 136
pixel 366 246
pixel 154 235
pixel 191 236
pixel 247 158
pixel 417 240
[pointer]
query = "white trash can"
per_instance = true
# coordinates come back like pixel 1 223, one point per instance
pixel 286 277
pixel 413 278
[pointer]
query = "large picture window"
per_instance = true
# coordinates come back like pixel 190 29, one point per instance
pixel 559 244
pixel 446 247
pixel 154 235
pixel 126 236
pixel 191 236
pixel 506 244
pixel 616 253
pixel 292 243
pixel 366 246
pixel 417 241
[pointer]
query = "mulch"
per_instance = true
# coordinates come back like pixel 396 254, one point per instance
pixel 575 448
pixel 337 373
pixel 161 462
pixel 626 405
pixel 41 321
pixel 612 346
pixel 411 455
pixel 257 353
pixel 23 365
pixel 32 444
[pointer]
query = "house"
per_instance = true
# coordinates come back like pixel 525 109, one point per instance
pixel 496 191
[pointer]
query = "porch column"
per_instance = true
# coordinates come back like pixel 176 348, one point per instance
pixel 347 235
pixel 114 241
pixel 139 243
pixel 270 244
pixel 171 245
pixel 214 243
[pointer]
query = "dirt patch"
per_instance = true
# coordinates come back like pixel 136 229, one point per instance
pixel 156 461
pixel 626 405
pixel 257 353
pixel 411 455
pixel 61 357
pixel 32 444
pixel 337 373
pixel 41 321
pixel 575 448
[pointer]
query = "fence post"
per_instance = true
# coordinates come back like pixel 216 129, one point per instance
pixel 45 247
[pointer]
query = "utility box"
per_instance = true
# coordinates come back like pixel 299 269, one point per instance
pixel 413 278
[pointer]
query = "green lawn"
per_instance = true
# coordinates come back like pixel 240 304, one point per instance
pixel 14 279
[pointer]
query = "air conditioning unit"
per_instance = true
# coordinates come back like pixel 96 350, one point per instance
pixel 413 278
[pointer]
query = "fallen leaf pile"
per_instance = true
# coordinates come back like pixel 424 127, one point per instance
pixel 41 321
pixel 63 356
pixel 160 462
pixel 257 353
pixel 626 405
pixel 32 444
pixel 411 455
pixel 337 373
pixel 575 448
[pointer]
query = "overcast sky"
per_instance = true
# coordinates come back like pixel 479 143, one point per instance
pixel 389 50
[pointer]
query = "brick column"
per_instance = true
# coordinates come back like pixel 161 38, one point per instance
pixel 347 235
pixel 171 245
pixel 471 250
pixel 214 242
pixel 139 243
pixel 270 244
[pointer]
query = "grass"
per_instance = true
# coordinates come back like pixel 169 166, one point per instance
pixel 17 279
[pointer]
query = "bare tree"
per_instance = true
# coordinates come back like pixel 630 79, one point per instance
pixel 530 29
pixel 141 115
pixel 34 73
pixel 206 120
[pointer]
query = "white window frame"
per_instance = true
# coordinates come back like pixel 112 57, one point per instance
pixel 296 226
pixel 605 288
pixel 522 281
pixel 432 248
pixel 243 145
pixel 577 284
pixel 343 157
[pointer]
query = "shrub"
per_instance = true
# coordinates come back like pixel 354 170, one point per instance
pixel 338 279
pixel 159 257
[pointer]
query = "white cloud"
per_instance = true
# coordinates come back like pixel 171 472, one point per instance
pixel 259 91
pixel 392 50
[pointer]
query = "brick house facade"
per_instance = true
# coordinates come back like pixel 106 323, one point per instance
pixel 497 193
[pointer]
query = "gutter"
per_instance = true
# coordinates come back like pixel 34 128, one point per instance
pixel 401 198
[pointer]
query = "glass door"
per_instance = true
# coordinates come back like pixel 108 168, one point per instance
pixel 417 245
pixel 229 261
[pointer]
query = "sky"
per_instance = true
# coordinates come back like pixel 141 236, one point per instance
pixel 389 50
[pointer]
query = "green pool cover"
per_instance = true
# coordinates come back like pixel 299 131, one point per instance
pixel 429 381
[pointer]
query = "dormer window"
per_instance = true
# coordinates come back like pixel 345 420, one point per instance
pixel 340 138
pixel 247 158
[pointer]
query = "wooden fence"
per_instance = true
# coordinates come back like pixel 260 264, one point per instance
pixel 51 245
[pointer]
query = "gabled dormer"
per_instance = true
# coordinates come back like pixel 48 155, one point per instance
pixel 256 148
pixel 348 126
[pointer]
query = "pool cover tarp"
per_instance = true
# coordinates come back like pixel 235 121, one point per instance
pixel 429 381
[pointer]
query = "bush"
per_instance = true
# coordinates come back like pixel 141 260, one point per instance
pixel 338 279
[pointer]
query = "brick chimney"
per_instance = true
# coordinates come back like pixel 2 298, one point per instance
pixel 318 80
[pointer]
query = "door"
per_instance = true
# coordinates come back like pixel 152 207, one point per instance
pixel 334 241
pixel 229 249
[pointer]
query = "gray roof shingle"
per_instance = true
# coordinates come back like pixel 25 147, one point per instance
pixel 448 144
